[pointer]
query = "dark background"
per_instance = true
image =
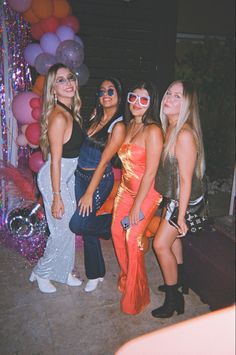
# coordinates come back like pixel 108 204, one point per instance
pixel 163 40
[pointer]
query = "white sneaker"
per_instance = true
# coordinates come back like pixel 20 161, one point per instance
pixel 44 285
pixel 92 284
pixel 73 281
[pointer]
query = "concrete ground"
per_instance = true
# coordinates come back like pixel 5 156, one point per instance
pixel 72 322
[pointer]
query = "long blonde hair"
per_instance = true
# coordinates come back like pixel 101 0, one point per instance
pixel 49 104
pixel 189 114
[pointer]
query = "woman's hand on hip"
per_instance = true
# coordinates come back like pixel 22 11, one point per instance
pixel 85 204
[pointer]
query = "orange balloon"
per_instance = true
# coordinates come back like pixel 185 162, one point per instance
pixel 61 8
pixel 30 16
pixel 42 8
pixel 38 86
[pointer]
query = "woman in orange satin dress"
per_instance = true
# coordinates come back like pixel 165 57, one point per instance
pixel 140 154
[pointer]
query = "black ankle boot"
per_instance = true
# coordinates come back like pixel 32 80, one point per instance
pixel 182 281
pixel 174 301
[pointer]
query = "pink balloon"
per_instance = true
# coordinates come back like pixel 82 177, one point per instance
pixel 21 107
pixel 35 102
pixel 31 52
pixel 36 113
pixel 19 5
pixel 65 32
pixel 49 42
pixel 21 140
pixel 36 161
pixel 32 133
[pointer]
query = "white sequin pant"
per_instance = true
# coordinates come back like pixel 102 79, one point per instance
pixel 59 255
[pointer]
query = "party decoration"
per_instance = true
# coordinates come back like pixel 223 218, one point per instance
pixel 21 140
pixel 36 161
pixel 19 5
pixel 61 8
pixel 35 102
pixel 21 107
pixel 37 30
pixel 32 133
pixel 65 33
pixel 49 42
pixel 49 24
pixel 30 16
pixel 26 219
pixel 72 22
pixel 36 113
pixel 15 77
pixel 43 62
pixel 31 52
pixel 82 74
pixel 42 8
pixel 70 53
pixel 79 40
pixel 38 85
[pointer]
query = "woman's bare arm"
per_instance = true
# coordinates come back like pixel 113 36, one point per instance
pixel 186 154
pixel 113 145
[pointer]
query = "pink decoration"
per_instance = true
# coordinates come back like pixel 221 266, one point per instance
pixel 65 33
pixel 49 42
pixel 21 108
pixel 32 133
pixel 19 5
pixel 72 22
pixel 35 102
pixel 36 161
pixel 36 113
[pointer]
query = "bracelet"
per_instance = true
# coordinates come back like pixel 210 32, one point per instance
pixel 56 192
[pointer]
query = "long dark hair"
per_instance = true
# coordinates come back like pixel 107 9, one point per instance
pixel 100 138
pixel 152 113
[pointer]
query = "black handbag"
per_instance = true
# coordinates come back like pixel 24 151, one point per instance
pixel 196 216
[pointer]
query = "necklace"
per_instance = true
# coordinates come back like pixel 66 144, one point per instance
pixel 133 132
pixel 65 107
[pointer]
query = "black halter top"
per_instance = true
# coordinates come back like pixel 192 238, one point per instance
pixel 72 147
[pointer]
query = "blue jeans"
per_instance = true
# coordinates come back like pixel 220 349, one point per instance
pixel 92 227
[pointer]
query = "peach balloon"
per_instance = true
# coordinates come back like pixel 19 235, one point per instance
pixel 42 8
pixel 61 8
pixel 39 83
pixel 30 16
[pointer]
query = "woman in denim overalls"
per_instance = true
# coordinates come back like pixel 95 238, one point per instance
pixel 94 177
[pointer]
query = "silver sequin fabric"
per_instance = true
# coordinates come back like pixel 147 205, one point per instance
pixel 59 255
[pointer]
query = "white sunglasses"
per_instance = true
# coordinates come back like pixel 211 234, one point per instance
pixel 143 101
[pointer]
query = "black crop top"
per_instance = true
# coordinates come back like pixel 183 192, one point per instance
pixel 72 147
